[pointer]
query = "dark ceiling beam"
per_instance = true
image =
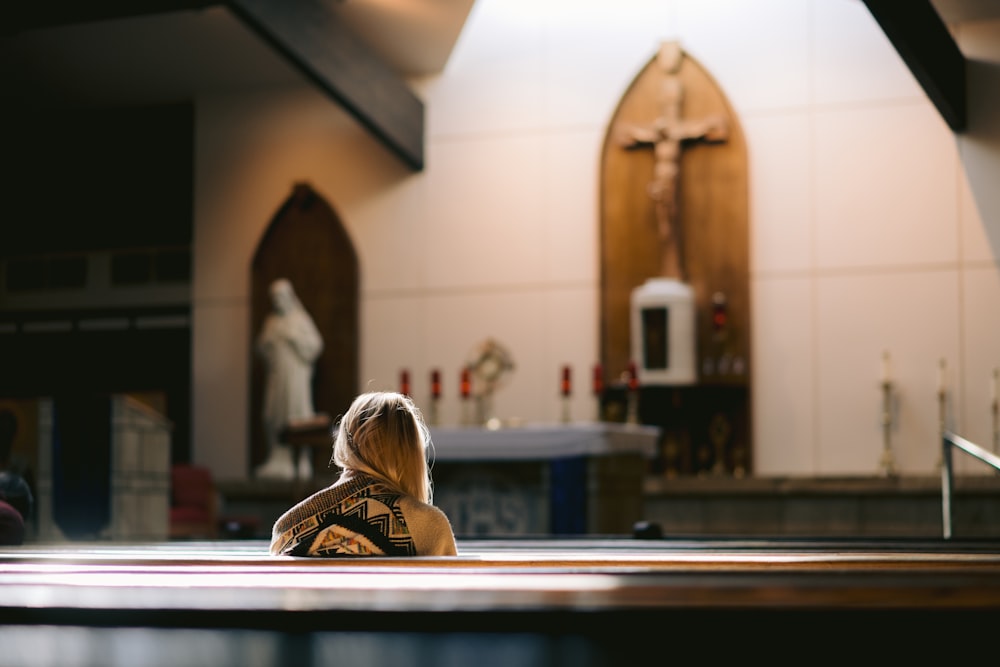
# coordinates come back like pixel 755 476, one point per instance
pixel 311 37
pixel 923 41
pixel 18 17
pixel 306 32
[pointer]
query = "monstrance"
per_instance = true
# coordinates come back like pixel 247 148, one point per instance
pixel 490 365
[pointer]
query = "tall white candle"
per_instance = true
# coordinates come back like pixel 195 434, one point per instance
pixel 941 374
pixel 885 366
pixel 995 385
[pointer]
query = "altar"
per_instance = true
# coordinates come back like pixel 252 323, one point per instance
pixel 542 479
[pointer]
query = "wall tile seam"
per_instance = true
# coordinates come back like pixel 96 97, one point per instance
pixel 375 294
pixel 869 270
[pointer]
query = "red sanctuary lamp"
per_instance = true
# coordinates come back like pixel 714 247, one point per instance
pixel 404 382
pixel 719 315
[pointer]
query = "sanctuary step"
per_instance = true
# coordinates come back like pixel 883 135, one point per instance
pixel 858 507
pixel 822 506
pixel 529 479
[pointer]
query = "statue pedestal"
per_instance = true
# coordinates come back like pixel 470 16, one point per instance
pixel 279 464
pixel 302 439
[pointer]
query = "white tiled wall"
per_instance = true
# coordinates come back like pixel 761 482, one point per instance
pixel 869 202
pixel 872 227
pixel 854 62
pixel 784 382
pixel 782 230
pixel 912 314
pixel 758 52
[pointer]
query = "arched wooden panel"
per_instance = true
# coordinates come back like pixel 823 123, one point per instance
pixel 713 213
pixel 307 244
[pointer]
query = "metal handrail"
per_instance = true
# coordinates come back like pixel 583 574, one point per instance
pixel 948 442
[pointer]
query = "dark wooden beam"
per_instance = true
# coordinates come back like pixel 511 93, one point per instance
pixel 17 17
pixel 923 41
pixel 311 37
pixel 306 32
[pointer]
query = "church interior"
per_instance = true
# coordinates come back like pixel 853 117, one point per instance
pixel 700 300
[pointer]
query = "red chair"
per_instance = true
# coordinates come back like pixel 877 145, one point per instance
pixel 193 503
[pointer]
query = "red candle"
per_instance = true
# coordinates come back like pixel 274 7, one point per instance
pixel 633 377
pixel 566 385
pixel 719 315
pixel 404 382
pixel 466 383
pixel 598 380
pixel 436 383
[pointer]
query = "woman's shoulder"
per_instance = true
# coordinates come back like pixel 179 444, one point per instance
pixel 321 501
pixel 413 508
pixel 430 527
pixel 411 505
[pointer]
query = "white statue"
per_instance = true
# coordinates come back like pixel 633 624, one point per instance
pixel 289 344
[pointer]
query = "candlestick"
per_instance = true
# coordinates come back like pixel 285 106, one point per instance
pixel 996 411
pixel 435 383
pixel 942 393
pixel 465 383
pixel 942 406
pixel 435 395
pixel 633 394
pixel 566 388
pixel 598 389
pixel 888 462
pixel 465 389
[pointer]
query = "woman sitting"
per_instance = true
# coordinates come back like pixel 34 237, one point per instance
pixel 381 503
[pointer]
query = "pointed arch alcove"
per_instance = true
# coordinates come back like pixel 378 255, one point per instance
pixel 706 426
pixel 306 243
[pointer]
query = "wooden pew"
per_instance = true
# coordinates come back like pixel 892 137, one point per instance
pixel 604 597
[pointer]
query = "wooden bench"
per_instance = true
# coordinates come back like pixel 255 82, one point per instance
pixel 536 602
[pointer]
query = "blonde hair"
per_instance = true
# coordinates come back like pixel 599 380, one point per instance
pixel 384 435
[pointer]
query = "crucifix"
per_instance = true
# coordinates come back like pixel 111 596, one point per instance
pixel 668 135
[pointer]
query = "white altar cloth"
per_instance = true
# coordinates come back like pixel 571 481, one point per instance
pixel 540 441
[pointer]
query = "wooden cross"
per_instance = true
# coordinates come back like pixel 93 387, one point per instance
pixel 668 134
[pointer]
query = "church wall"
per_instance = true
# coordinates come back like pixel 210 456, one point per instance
pixel 251 150
pixel 871 225
pixel 979 226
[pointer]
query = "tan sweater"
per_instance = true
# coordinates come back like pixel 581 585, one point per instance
pixel 361 517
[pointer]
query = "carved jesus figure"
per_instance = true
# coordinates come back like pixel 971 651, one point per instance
pixel 667 135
